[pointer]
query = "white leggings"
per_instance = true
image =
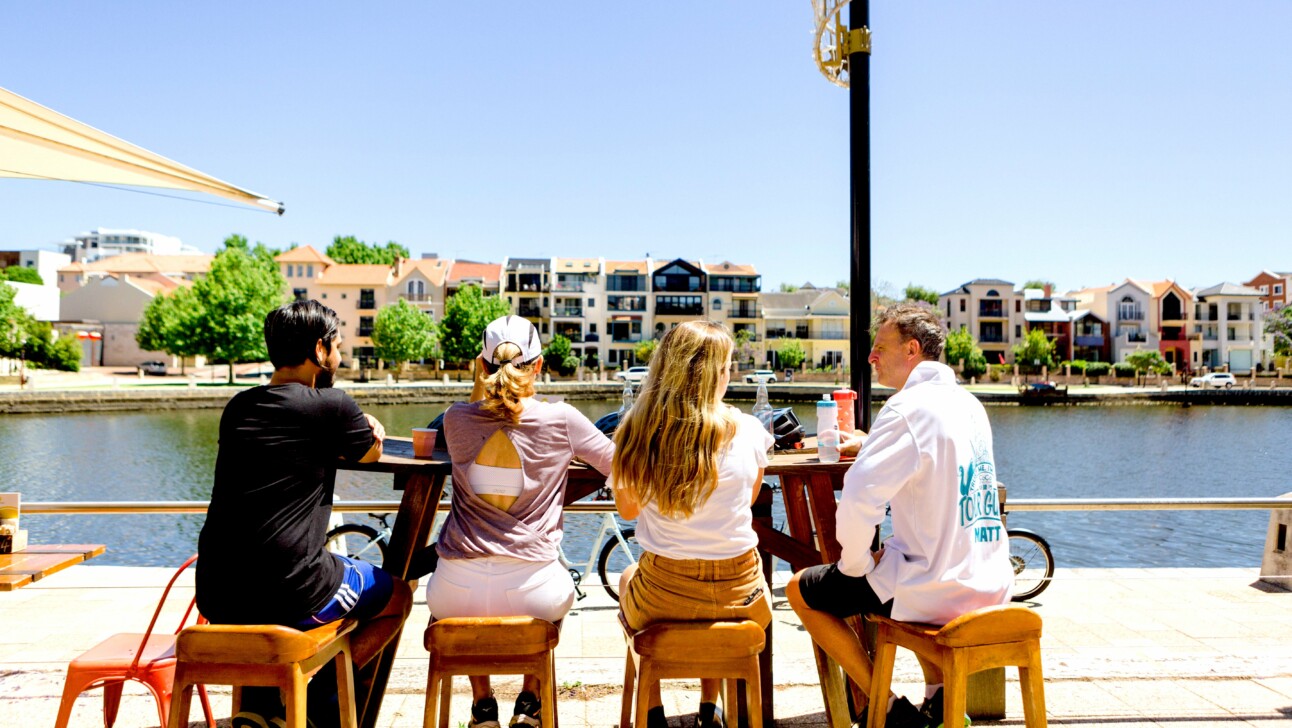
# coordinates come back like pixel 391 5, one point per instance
pixel 500 586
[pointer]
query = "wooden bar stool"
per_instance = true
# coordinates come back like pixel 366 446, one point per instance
pixel 263 655
pixel 984 638
pixel 725 650
pixel 489 646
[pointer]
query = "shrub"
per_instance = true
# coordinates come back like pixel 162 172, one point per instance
pixel 1078 366
pixel 1121 369
pixel 1096 369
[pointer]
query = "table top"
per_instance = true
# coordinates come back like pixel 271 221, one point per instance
pixel 36 562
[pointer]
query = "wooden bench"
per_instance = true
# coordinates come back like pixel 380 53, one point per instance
pixel 34 563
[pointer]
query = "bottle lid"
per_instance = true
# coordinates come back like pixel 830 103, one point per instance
pixel 843 394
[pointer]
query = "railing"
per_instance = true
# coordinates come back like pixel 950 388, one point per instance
pixel 567 311
pixel 391 506
pixel 416 297
pixel 574 287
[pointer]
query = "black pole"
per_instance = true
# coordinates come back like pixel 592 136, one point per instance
pixel 859 135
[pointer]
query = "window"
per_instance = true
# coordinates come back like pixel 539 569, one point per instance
pixel 717 304
pixel 545 327
pixel 592 303
pixel 309 270
pixel 948 309
pixel 1278 288
pixel 367 298
pixel 323 296
pixel 300 294
pixel 962 305
pixel 289 271
pixel 1018 306
pixel 365 326
pixel 1018 332
pixel 592 328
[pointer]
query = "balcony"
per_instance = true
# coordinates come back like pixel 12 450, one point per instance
pixel 568 311
pixel 363 331
pixel 570 286
pixel 626 303
pixel 416 297
pixel 831 335
pixel 625 338
pixel 991 309
pixel 743 312
pixel 574 335
pixel 531 311
pixel 668 308
pixel 1130 314
pixel 991 340
pixel 1136 338
pixel 366 304
pixel 1089 340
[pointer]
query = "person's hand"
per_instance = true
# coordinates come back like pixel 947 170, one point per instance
pixel 378 432
pixel 850 444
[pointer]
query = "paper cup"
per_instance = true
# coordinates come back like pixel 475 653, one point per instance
pixel 423 441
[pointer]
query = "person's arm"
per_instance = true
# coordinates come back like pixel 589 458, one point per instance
pixel 587 443
pixel 850 443
pixel 888 462
pixel 478 379
pixel 626 503
pixel 758 486
pixel 378 436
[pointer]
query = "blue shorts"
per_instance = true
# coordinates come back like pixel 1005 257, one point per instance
pixel 364 592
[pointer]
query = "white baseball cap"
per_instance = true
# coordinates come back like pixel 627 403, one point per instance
pixel 515 330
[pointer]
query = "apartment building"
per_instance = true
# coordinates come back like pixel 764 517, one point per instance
pixel 111 307
pixel 578 310
pixel 733 298
pixel 678 287
pixel 1273 288
pixel 1229 328
pixel 487 276
pixel 991 310
pixel 819 318
pixel 628 317
pixel 136 265
pixel 421 282
pixel 1051 314
pixel 528 289
pixel 104 242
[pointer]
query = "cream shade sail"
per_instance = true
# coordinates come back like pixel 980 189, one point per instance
pixel 39 143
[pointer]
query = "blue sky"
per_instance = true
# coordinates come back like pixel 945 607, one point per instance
pixel 1075 142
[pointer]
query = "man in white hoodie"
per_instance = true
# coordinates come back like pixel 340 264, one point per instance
pixel 929 454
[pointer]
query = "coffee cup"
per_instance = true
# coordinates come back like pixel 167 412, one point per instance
pixel 424 441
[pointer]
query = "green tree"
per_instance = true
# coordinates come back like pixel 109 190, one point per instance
pixel 1148 361
pixel 920 293
pixel 645 350
pixel 466 314
pixel 744 346
pixel 170 323
pixel 13 333
pixel 1036 350
pixel 1279 326
pixel 1038 283
pixel 402 333
pixel 844 286
pixel 19 274
pixel 65 353
pixel 960 347
pixel 791 353
pixel 349 249
pixel 233 300
pixel 559 356
pixel 788 288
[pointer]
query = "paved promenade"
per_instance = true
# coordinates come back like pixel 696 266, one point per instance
pixel 1122 647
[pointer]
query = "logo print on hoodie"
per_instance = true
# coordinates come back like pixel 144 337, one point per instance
pixel 979 509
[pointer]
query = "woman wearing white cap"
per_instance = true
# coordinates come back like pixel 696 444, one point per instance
pixel 499 546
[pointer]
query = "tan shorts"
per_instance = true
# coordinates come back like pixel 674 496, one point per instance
pixel 696 590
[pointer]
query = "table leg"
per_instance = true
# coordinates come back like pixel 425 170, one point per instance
pixel 411 531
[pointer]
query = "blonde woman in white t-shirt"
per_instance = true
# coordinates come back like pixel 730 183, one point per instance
pixel 687 467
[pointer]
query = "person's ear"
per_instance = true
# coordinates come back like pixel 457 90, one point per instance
pixel 538 364
pixel 320 352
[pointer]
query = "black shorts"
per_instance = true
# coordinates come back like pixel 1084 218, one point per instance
pixel 826 589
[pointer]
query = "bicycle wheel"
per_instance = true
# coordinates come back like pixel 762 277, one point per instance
pixel 614 559
pixel 1032 561
pixel 358 542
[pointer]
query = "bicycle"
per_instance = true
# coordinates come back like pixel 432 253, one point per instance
pixel 1029 554
pixel 609 556
pixel 360 541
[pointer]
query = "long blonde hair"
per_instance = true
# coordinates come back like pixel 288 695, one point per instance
pixel 668 446
pixel 507 385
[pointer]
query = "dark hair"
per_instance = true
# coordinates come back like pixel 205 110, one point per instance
pixel 914 321
pixel 292 330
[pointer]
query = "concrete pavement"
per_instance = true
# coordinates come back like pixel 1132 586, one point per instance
pixel 1122 647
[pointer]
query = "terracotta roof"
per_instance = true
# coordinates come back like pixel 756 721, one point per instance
pixel 304 254
pixel 147 263
pixel 726 267
pixel 1097 289
pixel 355 274
pixel 578 265
pixel 72 268
pixel 1161 287
pixel 626 266
pixel 464 269
pixel 434 270
pixel 155 285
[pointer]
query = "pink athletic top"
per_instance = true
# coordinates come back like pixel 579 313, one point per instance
pixel 548 438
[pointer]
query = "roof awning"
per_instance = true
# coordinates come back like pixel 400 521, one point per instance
pixel 39 143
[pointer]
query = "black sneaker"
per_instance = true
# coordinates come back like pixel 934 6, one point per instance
pixel 484 714
pixel 905 715
pixel 527 711
pixel 714 722
pixel 932 710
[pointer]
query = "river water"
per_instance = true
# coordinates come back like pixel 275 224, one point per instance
pixel 1044 452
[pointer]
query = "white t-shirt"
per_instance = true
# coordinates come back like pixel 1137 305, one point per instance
pixel 722 527
pixel 929 454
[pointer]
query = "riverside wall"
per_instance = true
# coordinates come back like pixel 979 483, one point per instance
pixel 160 398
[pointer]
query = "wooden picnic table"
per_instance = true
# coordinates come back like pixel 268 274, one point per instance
pixel 20 568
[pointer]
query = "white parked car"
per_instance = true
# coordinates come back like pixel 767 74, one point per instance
pixel 765 375
pixel 1215 380
pixel 633 375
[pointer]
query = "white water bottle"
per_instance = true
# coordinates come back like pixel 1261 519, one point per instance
pixel 627 402
pixel 763 411
pixel 827 430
